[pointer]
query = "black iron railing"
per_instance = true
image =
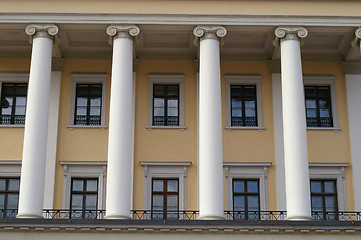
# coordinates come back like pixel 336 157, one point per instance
pixel 12 119
pixel 319 122
pixel 244 122
pixel 187 215
pixel 87 120
pixel 165 121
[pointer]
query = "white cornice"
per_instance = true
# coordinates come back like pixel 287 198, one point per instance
pixel 187 19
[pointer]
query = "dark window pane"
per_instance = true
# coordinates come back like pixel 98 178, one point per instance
pixel 323 91
pixel 78 185
pixel 13 199
pixel 159 90
pixel 21 89
pixel 243 106
pixel 172 202
pixel 310 92
pixel 249 91
pixel 165 105
pixel 77 202
pixel 158 202
pixel 96 90
pixel 330 187
pixel 316 202
pixel 316 186
pixel 173 90
pixel 88 104
pixel 91 202
pixel 158 185
pixel 238 203
pixel 236 91
pixel 172 186
pixel 2 184
pixel 318 106
pixel 14 184
pixel 252 186
pixel 238 186
pixel 253 203
pixel 2 201
pixel 92 185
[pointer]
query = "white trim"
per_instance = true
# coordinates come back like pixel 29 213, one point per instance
pixel 166 78
pixel 88 78
pixel 13 77
pixel 10 168
pixel 353 90
pixel 84 170
pixel 325 80
pixel 335 171
pixel 177 19
pixel 278 141
pixel 165 170
pixel 244 79
pixel 247 171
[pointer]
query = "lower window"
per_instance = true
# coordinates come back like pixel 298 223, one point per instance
pixel 165 198
pixel 9 197
pixel 324 199
pixel 84 198
pixel 246 199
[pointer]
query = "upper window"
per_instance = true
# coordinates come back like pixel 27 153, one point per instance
pixel 246 199
pixel 88 104
pixel 84 198
pixel 320 101
pixel 88 100
pixel 165 105
pixel 318 106
pixel 166 101
pixel 165 198
pixel 244 108
pixel 324 199
pixel 9 197
pixel 13 103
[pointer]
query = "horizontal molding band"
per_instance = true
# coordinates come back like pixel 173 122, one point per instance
pixel 187 19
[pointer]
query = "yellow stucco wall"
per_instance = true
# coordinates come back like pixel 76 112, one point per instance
pixel 174 145
pixel 185 7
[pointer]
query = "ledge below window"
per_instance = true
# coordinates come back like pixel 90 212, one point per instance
pixel 11 126
pixel 101 127
pixel 181 128
pixel 229 128
pixel 336 129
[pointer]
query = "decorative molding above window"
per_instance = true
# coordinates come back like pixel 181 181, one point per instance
pixel 246 171
pixel 332 171
pixel 250 80
pixel 166 79
pixel 84 170
pixel 165 170
pixel 16 78
pixel 10 168
pixel 325 80
pixel 88 78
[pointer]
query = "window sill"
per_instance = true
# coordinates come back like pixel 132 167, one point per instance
pixel 336 129
pixel 11 126
pixel 229 128
pixel 150 128
pixel 101 127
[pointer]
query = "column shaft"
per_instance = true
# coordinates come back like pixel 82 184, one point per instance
pixel 36 128
pixel 294 130
pixel 210 168
pixel 120 161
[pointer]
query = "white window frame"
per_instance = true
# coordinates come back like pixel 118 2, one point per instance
pixel 244 79
pixel 84 170
pixel 324 80
pixel 13 77
pixel 88 78
pixel 166 78
pixel 174 170
pixel 331 171
pixel 246 171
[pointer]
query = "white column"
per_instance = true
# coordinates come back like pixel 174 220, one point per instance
pixel 298 198
pixel 36 122
pixel 120 153
pixel 210 163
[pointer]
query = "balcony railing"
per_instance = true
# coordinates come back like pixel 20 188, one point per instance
pixel 244 122
pixel 319 122
pixel 87 120
pixel 12 119
pixel 187 215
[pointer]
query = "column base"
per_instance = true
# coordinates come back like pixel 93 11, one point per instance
pixel 211 218
pixel 117 216
pixel 29 215
pixel 299 218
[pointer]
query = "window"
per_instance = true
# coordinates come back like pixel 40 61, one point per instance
pixel 246 200
pixel 88 100
pixel 166 101
pixel 318 106
pixel 165 105
pixel 170 175
pixel 246 189
pixel 243 106
pixel 13 103
pixel 165 198
pixel 320 102
pixel 244 103
pixel 324 199
pixel 9 197
pixel 88 104
pixel 84 198
pixel 84 180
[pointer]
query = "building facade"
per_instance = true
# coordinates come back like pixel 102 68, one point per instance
pixel 135 116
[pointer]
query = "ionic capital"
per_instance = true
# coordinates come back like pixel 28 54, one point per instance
pixel 209 32
pixel 42 31
pixel 357 41
pixel 122 31
pixel 284 33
